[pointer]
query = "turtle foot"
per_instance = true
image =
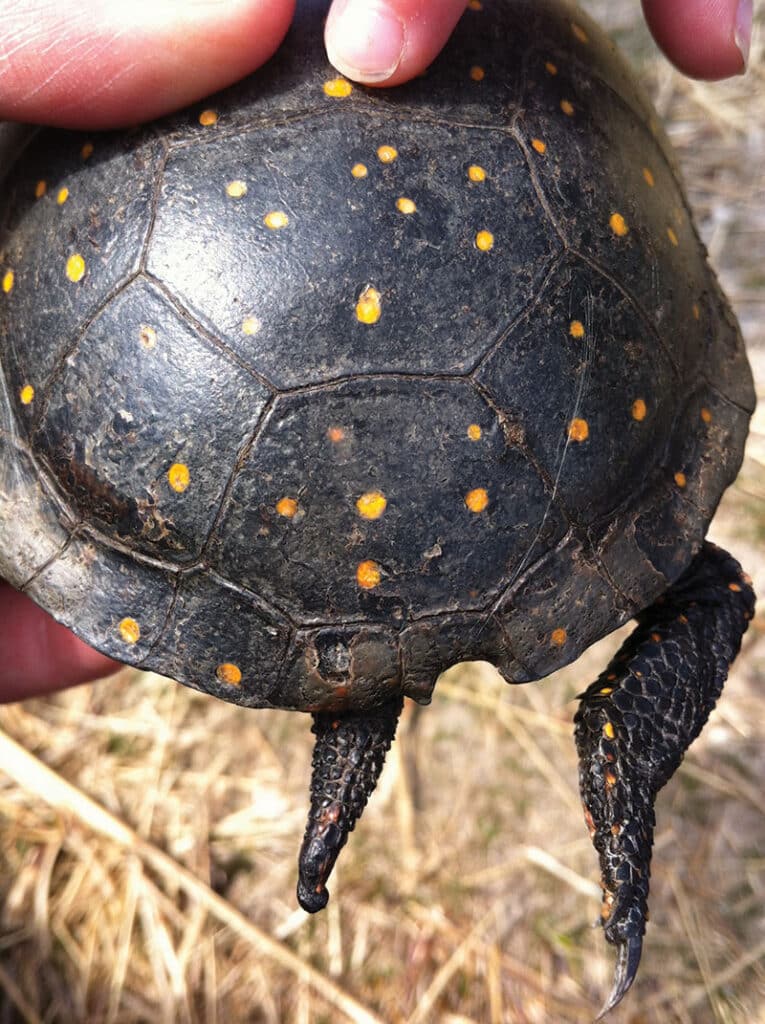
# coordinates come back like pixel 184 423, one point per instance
pixel 347 760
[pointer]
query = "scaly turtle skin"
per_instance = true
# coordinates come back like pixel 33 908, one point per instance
pixel 312 391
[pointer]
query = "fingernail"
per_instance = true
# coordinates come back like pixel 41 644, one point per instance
pixel 365 40
pixel 742 32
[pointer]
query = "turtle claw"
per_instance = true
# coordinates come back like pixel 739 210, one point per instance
pixel 627 961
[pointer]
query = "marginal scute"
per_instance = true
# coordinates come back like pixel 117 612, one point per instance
pixel 107 599
pixel 433 645
pixel 240 665
pixel 32 529
pixel 562 606
pixel 340 667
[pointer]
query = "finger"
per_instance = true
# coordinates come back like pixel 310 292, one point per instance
pixel 385 42
pixel 117 62
pixel 37 655
pixel 703 38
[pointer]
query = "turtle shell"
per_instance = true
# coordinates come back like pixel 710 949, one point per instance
pixel 312 390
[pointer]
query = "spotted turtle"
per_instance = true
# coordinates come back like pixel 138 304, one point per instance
pixel 312 390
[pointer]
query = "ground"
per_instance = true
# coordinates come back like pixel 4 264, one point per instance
pixel 466 894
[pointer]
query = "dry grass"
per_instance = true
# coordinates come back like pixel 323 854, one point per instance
pixel 468 891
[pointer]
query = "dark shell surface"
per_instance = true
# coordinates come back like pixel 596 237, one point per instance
pixel 311 391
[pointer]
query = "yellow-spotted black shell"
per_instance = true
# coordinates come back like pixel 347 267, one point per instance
pixel 312 390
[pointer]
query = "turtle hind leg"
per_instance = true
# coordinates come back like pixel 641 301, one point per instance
pixel 637 720
pixel 347 760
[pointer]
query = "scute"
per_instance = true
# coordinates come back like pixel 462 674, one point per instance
pixel 123 601
pixel 446 520
pixel 592 387
pixel 406 226
pixel 95 208
pixel 552 614
pixel 222 640
pixel 147 465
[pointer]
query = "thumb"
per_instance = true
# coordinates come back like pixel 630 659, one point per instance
pixel 385 42
pixel 109 63
pixel 704 38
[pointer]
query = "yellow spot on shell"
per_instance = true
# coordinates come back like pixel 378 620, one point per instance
pixel 618 225
pixel 27 394
pixel 368 306
pixel 579 33
pixel 680 479
pixel 368 574
pixel 567 107
pixel 475 5
pixel 63 195
pixel 338 88
pixel 734 587
pixel 236 189
pixel 476 173
pixel 371 505
pixel 558 637
pixel 484 241
pixel 405 205
pixel 208 118
pixel 87 151
pixel 576 329
pixel 359 170
pixel 130 631
pixel 610 778
pixel 229 673
pixel 696 312
pixel 477 73
pixel 477 499
pixel 539 146
pixel 550 68
pixel 178 477
pixel 147 337
pixel 474 432
pixel 41 188
pixel 648 177
pixel 8 278
pixel 706 415
pixel 386 154
pixel 276 219
pixel 672 236
pixel 251 325
pixel 75 267
pixel 639 410
pixel 336 434
pixel 608 731
pixel 606 690
pixel 578 430
pixel 287 507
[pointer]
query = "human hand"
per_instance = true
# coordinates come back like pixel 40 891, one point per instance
pixel 108 63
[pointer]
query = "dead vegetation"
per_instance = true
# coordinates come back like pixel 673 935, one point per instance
pixel 148 835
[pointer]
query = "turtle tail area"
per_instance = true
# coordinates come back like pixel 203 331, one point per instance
pixel 347 760
pixel 637 720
